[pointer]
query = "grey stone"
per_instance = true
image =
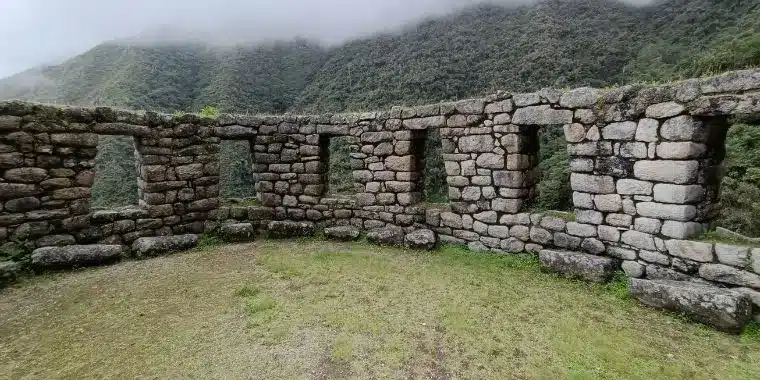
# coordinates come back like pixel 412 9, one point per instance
pixel 733 255
pixel 541 236
pixel 683 128
pixel 664 110
pixel 581 230
pixel 513 245
pixel 593 246
pixel 721 308
pixel 26 175
pixel 23 204
pixel 477 246
pixel 639 240
pixel 9 271
pixel 682 213
pixel 634 187
pixel 578 265
pixel 579 98
pixel 608 202
pixel 542 115
pixel 592 184
pixel 619 131
pixel 575 132
pixel 633 269
pixel 729 275
pixel 608 233
pixel 163 245
pixel 678 172
pixel 501 232
pixel 692 250
pixel 491 161
pixel 654 257
pixel 678 194
pixel 649 226
pixel 681 230
pixel 621 253
pixel 342 233
pixel 75 256
pixel 647 130
pixel 589 217
pixel 391 235
pixel 680 150
pixel 237 232
pixel 520 232
pixel 476 144
pixel 420 239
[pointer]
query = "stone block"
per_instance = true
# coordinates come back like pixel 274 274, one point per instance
pixel 75 256
pixel 420 239
pixel 542 115
pixel 664 110
pixel 578 265
pixel 729 275
pixel 592 184
pixel 476 144
pixel 678 172
pixel 681 230
pixel 620 131
pixel 678 194
pixel 681 213
pixel 342 233
pixel 288 229
pixel 720 308
pixel 683 128
pixel 633 269
pixel 391 235
pixel 733 255
pixel 692 250
pixel 639 240
pixel 680 150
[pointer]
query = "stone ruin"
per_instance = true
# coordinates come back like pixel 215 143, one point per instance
pixel 645 164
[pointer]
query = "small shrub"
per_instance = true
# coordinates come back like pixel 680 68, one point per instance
pixel 209 111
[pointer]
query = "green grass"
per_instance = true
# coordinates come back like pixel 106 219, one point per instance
pixel 316 309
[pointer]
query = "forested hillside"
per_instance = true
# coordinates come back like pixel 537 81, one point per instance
pixel 558 43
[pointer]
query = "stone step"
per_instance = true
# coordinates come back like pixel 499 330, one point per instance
pixel 163 245
pixel 75 256
pixel 342 233
pixel 237 232
pixel 420 239
pixel 721 308
pixel 286 229
pixel 588 267
pixel 391 235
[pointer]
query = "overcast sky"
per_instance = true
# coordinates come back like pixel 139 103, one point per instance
pixel 34 32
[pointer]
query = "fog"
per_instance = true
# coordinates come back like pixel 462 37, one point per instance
pixel 36 32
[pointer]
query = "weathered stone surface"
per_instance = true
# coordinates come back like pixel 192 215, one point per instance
pixel 476 144
pixel 680 150
pixel 729 275
pixel 639 240
pixel 682 213
pixel 26 175
pixel 420 239
pixel 681 230
pixel 620 131
pixel 634 187
pixel 721 308
pixel 287 229
pixel 678 194
pixel 733 255
pixel 75 256
pixel 391 235
pixel 592 184
pixel 578 265
pixel 678 172
pixel 664 110
pixel 683 128
pixel 542 115
pixel 163 245
pixel 633 269
pixel 237 232
pixel 579 98
pixel 342 233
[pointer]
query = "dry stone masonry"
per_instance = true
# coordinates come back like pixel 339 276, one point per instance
pixel 645 164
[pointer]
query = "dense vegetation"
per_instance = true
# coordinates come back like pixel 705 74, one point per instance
pixel 559 43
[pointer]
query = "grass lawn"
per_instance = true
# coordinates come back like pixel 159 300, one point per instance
pixel 313 309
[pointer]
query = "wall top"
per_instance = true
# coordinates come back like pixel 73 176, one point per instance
pixel 731 93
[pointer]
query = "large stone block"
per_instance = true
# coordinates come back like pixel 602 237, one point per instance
pixel 420 239
pixel 692 250
pixel 163 245
pixel 75 256
pixel 681 213
pixel 729 275
pixel 391 235
pixel 721 308
pixel 238 232
pixel 542 115
pixel 683 128
pixel 620 131
pixel 593 184
pixel 678 172
pixel 634 187
pixel 342 233
pixel 578 265
pixel 476 144
pixel 678 194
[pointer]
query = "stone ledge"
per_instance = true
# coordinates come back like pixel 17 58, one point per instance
pixel 720 308
pixel 75 256
pixel 163 245
pixel 286 229
pixel 590 268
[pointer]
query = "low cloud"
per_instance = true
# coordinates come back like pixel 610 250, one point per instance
pixel 41 31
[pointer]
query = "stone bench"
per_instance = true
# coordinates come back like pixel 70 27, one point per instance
pixel 721 308
pixel 75 256
pixel 237 232
pixel 590 268
pixel 163 245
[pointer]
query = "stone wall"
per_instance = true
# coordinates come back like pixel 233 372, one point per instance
pixel 645 166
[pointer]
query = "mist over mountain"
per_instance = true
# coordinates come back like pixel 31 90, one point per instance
pixel 477 49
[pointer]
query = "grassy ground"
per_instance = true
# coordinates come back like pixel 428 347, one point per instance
pixel 311 309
